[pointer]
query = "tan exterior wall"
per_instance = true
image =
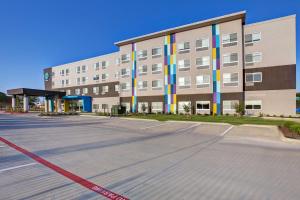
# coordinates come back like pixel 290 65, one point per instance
pixel 277 44
pixel 227 28
pixel 191 37
pixel 108 100
pixel 274 102
pixel 126 49
pixel 149 77
pixel 111 70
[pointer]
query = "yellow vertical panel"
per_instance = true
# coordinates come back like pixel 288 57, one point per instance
pixel 166 69
pixel 174 98
pixel 169 89
pixel 172 107
pixel 174 48
pixel 168 39
pixel 218 75
pixel 214 108
pixel 66 106
pixel 214 53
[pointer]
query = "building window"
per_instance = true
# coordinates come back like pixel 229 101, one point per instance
pixel 156 107
pixel 77 91
pixel 78 81
pixel 182 104
pixel 184 82
pixel 142 69
pixel 183 47
pixel 254 77
pixel 252 37
pixel 125 72
pixel 142 54
pixel 96 78
pixel 117 88
pixel 203 62
pixel 96 66
pixel 156 52
pixel 84 80
pixel 202 105
pixel 105 106
pixel 85 91
pixel 230 59
pixel 53 74
pixel 96 90
pixel 184 64
pixel 104 89
pixel 62 83
pixel 118 61
pixel 253 105
pixel 78 70
pixel 62 72
pixel 104 77
pixel 230 105
pixel 96 106
pixel 125 86
pixel 67 72
pixel 67 81
pixel 202 44
pixel 156 68
pixel 156 84
pixel 125 58
pixel 253 57
pixel 83 69
pixel 203 81
pixel 141 105
pixel 68 92
pixel 229 39
pixel 142 85
pixel 230 79
pixel 104 64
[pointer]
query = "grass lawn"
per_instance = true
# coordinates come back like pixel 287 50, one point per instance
pixel 235 120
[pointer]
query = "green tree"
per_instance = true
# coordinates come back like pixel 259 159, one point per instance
pixel 187 108
pixel 239 108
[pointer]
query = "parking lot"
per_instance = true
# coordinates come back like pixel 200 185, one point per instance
pixel 138 159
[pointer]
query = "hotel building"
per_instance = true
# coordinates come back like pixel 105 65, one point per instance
pixel 211 65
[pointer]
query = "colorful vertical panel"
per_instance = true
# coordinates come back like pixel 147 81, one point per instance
pixel 216 69
pixel 170 74
pixel 134 82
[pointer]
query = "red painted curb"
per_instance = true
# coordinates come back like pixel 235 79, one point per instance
pixel 96 188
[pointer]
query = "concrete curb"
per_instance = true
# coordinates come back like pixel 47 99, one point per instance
pixel 258 125
pixel 287 140
pixel 153 120
pixel 93 116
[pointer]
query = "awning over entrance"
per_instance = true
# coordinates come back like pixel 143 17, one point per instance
pixel 35 92
pixel 50 97
pixel 86 102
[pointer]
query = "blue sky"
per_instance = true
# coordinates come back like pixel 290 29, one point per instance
pixel 36 34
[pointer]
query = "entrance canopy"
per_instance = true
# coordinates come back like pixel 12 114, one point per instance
pixel 34 92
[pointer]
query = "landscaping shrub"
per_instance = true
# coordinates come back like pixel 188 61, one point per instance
pixel 57 114
pixel 293 127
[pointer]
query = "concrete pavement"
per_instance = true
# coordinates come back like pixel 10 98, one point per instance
pixel 146 159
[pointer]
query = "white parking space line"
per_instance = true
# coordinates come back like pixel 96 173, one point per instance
pixel 16 167
pixel 154 126
pixel 2 146
pixel 226 131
